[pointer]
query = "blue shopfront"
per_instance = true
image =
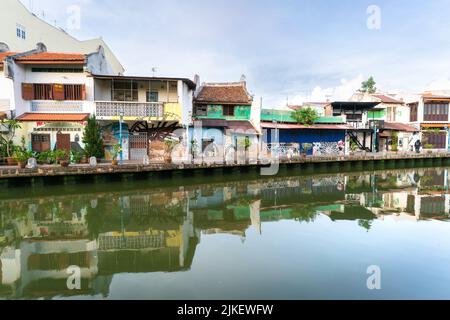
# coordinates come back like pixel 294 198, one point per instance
pixel 314 140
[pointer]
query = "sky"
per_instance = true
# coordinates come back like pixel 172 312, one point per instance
pixel 289 50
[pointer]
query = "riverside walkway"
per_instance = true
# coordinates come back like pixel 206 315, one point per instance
pixel 354 162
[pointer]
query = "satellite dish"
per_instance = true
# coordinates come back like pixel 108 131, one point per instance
pixel 4 47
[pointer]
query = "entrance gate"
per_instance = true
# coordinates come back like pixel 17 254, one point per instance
pixel 138 146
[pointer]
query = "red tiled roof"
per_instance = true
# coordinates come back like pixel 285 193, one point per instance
pixel 52 58
pixel 53 117
pixel 399 127
pixel 229 93
pixel 387 99
pixel 270 125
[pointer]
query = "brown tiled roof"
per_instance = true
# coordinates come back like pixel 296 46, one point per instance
pixel 399 127
pixel 386 99
pixel 52 58
pixel 54 117
pixel 229 93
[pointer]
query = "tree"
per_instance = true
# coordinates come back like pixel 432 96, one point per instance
pixel 368 86
pixel 93 139
pixel 306 116
pixel 6 139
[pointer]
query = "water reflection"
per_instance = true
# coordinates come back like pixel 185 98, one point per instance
pixel 159 230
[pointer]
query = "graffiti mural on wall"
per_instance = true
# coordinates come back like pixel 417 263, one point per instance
pixel 328 148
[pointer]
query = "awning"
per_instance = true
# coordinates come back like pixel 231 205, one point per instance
pixel 217 123
pixel 53 117
pixel 435 125
pixel 286 126
pixel 242 126
pixel 227 124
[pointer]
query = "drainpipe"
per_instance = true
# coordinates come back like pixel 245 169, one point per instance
pixel 120 136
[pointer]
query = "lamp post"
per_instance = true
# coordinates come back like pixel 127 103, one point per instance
pixel 121 114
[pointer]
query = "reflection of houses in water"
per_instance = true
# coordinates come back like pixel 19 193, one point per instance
pixel 159 230
pixel 37 266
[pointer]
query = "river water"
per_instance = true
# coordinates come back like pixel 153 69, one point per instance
pixel 348 236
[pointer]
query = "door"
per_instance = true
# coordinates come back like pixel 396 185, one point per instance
pixel 40 142
pixel 63 142
pixel 138 146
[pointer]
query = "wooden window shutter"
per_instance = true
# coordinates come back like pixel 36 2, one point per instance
pixel 58 92
pixel 27 91
pixel 83 92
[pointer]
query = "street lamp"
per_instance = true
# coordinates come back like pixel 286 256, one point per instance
pixel 121 115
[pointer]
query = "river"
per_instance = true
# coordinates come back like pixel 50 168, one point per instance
pixel 305 237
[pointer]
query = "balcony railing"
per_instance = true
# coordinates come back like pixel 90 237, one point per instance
pixel 56 106
pixel 109 109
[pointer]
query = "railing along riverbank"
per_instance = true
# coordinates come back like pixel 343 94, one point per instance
pixel 355 162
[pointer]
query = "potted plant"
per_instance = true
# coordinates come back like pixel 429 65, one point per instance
pixel 117 149
pixel 76 157
pixel 21 156
pixel 93 140
pixel 428 147
pixel 62 157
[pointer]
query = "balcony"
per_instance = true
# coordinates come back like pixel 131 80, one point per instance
pixel 110 110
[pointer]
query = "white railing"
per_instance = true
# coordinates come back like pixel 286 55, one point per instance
pixel 56 106
pixel 284 149
pixel 105 109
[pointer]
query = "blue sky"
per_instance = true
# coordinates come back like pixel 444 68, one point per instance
pixel 304 50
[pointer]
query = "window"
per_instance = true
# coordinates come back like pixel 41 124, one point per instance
pixel 152 96
pixel 438 140
pixel 21 32
pixel 74 92
pixel 436 111
pixel 57 70
pixel 124 91
pixel 201 111
pixel 414 115
pixel 42 92
pixel 50 91
pixel 228 111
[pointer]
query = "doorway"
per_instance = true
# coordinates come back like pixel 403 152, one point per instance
pixel 63 142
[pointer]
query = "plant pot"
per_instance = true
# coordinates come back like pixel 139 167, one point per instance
pixel 64 163
pixel 84 160
pixel 22 165
pixel 115 163
pixel 11 161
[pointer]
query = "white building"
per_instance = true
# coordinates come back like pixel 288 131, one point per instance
pixel 21 30
pixel 52 94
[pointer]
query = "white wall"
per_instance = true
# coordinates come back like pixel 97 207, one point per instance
pixel 6 93
pixel 13 12
pixel 186 96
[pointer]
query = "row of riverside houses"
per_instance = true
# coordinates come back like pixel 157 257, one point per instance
pixel 53 95
pixel 53 91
